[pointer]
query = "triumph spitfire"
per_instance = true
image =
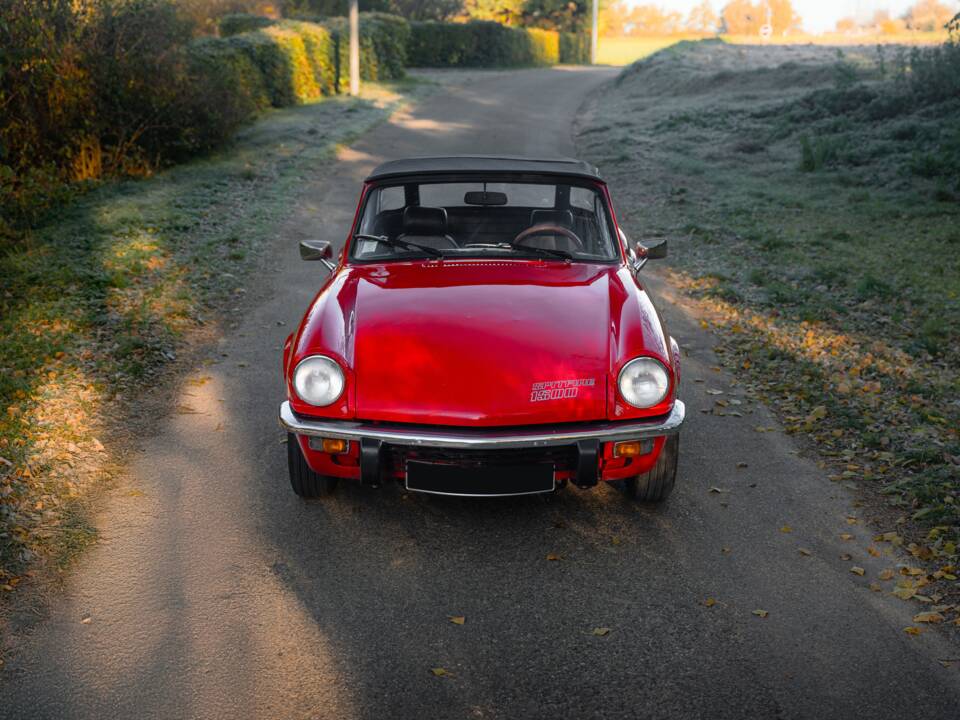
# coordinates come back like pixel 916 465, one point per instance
pixel 484 331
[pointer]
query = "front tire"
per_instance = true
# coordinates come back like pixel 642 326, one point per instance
pixel 304 481
pixel 656 484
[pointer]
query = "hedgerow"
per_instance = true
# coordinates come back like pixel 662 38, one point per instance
pixel 480 43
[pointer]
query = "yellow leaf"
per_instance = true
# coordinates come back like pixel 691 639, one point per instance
pixel 886 574
pixel 912 630
pixel 554 557
pixel 804 551
pixel 457 619
pixel 904 593
pixel 709 602
pixel 873 551
pixel 786 529
pixel 439 672
pixel 875 588
pixel 928 617
pixel 601 631
pixel 615 540
pixel 760 613
pixel 846 536
pixel 857 570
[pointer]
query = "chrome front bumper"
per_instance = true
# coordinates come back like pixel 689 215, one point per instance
pixel 484 438
pixel 373 437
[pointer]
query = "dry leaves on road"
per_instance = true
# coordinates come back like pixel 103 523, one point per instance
pixel 601 631
pixel 553 557
pixel 761 613
pixel 457 619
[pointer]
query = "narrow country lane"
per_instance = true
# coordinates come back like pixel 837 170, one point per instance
pixel 217 593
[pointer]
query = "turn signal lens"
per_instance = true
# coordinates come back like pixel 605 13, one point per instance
pixel 334 446
pixel 331 446
pixel 632 448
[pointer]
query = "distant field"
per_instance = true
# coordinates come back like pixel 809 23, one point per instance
pixel 626 50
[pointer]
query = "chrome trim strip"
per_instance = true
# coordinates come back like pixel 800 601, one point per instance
pixel 406 486
pixel 484 438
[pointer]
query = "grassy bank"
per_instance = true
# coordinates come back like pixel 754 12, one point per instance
pixel 98 302
pixel 811 198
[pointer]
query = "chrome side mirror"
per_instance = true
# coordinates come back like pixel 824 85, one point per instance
pixel 317 250
pixel 641 253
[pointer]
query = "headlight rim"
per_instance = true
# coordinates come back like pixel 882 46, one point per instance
pixel 336 365
pixel 663 366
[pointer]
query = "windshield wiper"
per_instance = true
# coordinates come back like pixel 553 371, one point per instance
pixel 403 244
pixel 543 252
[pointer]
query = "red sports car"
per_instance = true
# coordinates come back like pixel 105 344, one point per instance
pixel 483 332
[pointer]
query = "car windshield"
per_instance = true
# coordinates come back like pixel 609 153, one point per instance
pixel 552 219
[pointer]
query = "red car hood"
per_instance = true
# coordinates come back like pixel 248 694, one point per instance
pixel 481 343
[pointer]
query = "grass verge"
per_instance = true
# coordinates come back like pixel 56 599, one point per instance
pixel 813 208
pixel 98 301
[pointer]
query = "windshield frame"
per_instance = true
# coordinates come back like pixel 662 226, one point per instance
pixel 596 185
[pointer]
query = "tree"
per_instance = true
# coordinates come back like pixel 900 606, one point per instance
pixel 742 17
pixel 928 16
pixel 702 19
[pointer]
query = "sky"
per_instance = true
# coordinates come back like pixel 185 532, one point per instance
pixel 818 15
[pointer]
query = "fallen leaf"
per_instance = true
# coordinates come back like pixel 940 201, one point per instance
pixel 186 410
pixel 601 631
pixel 873 551
pixel 912 630
pixel 875 588
pixel 856 570
pixel 440 672
pixel 725 550
pixel 86 620
pixel 886 574
pixel 553 557
pixel 615 540
pixel 786 529
pixel 741 465
pixel 928 617
pixel 804 551
pixel 903 593
pixel 846 536
pixel 760 613
pixel 715 489
pixel 709 602
pixel 457 619
pixel 711 391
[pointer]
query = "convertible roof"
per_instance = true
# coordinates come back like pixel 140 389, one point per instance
pixel 473 164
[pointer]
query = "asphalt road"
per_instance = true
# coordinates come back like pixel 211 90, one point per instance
pixel 217 593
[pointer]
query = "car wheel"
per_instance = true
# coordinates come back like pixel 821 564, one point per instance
pixel 305 482
pixel 656 484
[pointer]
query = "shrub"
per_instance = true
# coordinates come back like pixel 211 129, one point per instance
pixel 243 22
pixel 574 48
pixel 480 43
pixel 383 46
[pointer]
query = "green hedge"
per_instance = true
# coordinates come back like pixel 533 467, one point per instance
pixel 480 43
pixel 575 48
pixel 242 22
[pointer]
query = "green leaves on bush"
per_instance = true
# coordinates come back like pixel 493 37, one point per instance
pixel 574 48
pixel 480 43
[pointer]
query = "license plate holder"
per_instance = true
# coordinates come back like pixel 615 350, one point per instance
pixel 479 481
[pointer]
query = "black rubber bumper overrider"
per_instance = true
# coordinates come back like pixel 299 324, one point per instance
pixel 370 461
pixel 587 472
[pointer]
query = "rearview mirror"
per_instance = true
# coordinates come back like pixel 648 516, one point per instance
pixel 485 198
pixel 317 250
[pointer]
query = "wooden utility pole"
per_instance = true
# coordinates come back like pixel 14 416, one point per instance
pixel 355 47
pixel 594 33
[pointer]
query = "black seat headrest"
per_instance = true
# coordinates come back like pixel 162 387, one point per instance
pixel 419 220
pixel 556 217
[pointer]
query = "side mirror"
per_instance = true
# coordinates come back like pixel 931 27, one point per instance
pixel 317 250
pixel 644 253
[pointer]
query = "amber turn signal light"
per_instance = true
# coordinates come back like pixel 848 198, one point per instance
pixel 334 446
pixel 632 448
pixel 331 446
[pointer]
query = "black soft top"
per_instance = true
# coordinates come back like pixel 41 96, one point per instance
pixel 481 164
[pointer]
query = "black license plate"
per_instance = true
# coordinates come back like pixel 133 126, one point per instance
pixel 448 479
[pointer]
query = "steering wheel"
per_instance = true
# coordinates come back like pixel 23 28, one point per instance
pixel 549 229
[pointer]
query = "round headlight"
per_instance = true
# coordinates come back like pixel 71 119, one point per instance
pixel 644 382
pixel 318 380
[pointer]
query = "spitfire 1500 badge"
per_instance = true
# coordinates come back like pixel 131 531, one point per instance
pixel 558 389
